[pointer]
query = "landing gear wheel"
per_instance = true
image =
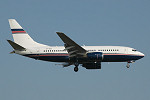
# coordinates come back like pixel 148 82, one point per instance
pixel 76 69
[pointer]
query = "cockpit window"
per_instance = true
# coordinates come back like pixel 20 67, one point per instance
pixel 133 49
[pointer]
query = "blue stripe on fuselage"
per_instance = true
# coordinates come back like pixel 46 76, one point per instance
pixel 53 57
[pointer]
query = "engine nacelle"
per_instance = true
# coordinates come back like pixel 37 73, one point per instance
pixel 95 56
pixel 92 65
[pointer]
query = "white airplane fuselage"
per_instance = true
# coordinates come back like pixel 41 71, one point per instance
pixel 59 54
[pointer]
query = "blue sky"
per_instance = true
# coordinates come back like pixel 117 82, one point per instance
pixel 96 22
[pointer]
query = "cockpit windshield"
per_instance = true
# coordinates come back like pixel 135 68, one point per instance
pixel 133 49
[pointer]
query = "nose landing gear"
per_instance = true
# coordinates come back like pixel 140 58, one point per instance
pixel 128 65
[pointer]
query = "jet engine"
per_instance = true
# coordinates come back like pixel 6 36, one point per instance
pixel 95 56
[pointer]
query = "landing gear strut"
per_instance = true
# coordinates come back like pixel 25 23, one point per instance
pixel 76 67
pixel 128 65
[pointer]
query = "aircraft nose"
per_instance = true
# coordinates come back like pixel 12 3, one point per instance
pixel 142 54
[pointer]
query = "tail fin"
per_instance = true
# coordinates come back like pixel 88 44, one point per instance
pixel 20 36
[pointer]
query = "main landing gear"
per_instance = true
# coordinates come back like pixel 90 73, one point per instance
pixel 76 67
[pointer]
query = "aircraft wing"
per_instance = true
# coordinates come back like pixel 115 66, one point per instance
pixel 73 48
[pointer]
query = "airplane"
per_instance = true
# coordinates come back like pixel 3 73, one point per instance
pixel 89 57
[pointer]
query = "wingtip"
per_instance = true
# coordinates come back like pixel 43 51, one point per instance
pixel 8 40
pixel 59 32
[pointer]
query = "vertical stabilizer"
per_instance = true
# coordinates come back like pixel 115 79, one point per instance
pixel 20 36
pixel 14 25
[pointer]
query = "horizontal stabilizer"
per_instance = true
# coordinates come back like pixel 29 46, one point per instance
pixel 16 46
